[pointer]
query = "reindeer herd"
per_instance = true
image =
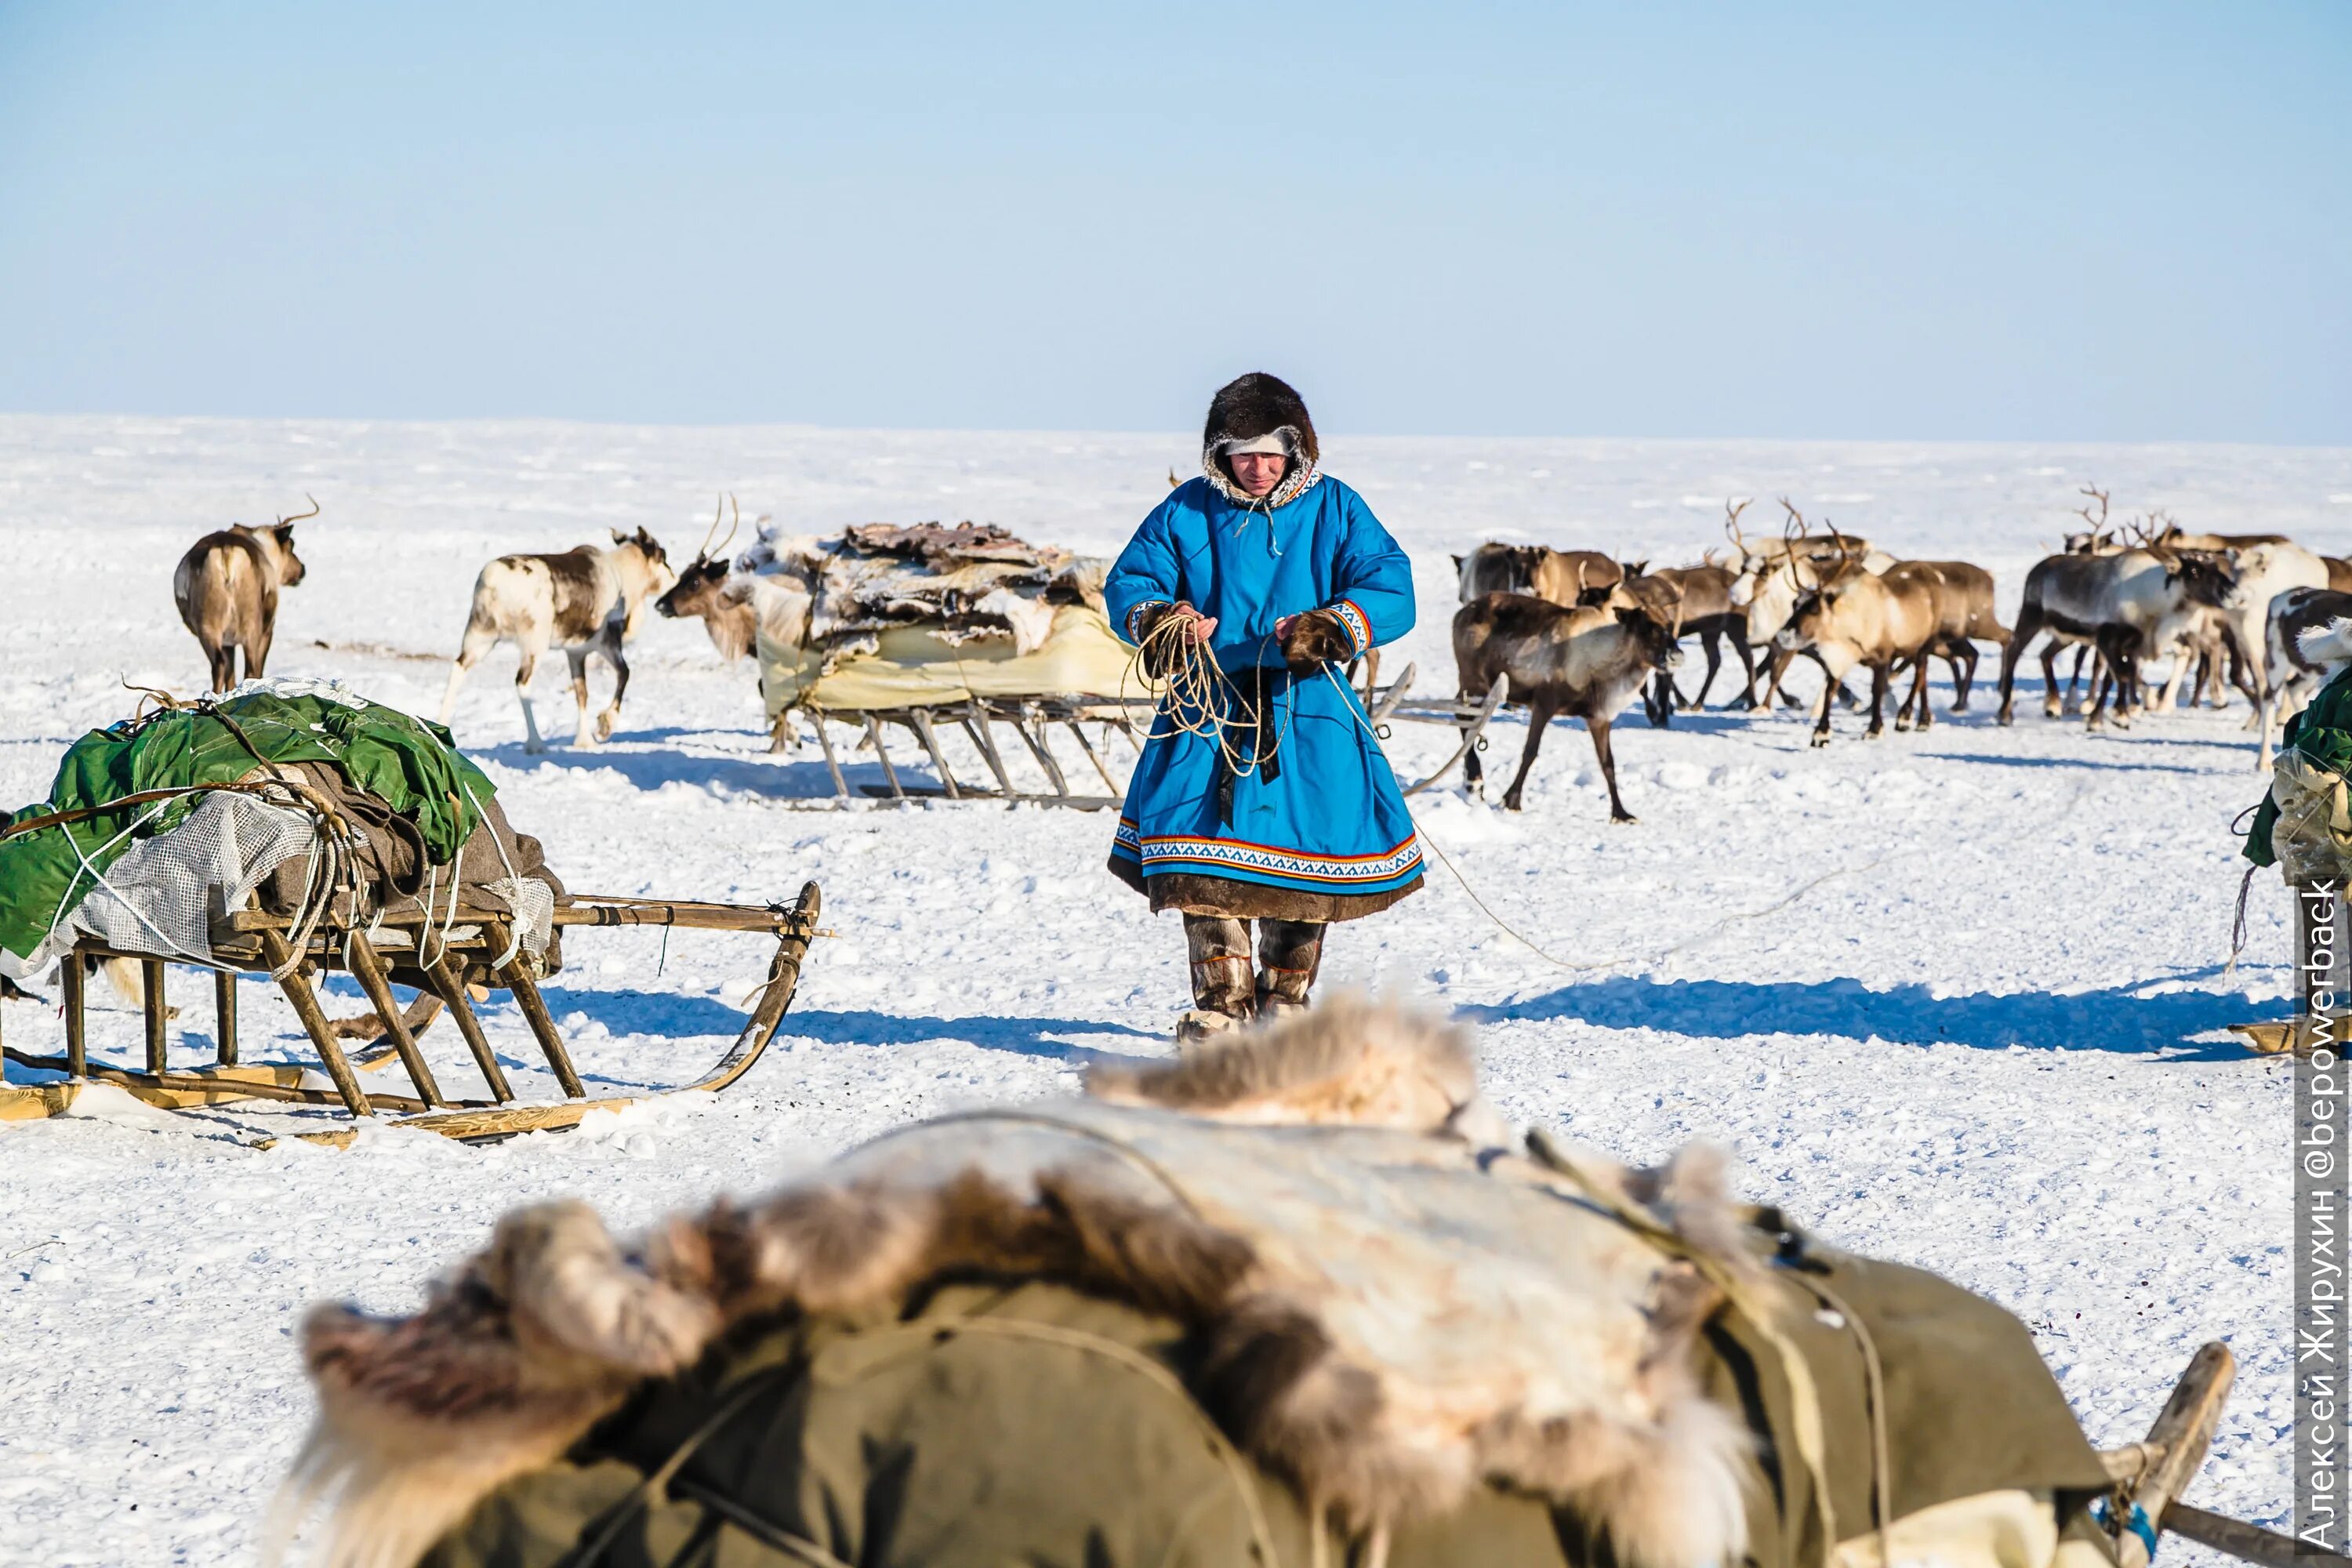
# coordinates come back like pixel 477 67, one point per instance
pixel 1575 631
pixel 1579 634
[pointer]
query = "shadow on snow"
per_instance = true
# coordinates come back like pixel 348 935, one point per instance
pixel 2115 1019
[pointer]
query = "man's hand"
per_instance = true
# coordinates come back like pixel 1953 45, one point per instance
pixel 1198 628
pixel 1159 653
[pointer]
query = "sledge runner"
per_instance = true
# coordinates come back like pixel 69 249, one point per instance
pixel 1262 794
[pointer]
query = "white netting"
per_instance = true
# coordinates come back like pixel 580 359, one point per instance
pixel 533 903
pixel 160 896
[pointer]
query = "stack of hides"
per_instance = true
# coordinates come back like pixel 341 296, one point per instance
pixel 936 613
pixel 421 829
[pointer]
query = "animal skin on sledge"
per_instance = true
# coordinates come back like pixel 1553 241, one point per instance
pixel 1393 1311
pixel 964 581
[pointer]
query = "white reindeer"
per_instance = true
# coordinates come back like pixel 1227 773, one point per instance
pixel 586 600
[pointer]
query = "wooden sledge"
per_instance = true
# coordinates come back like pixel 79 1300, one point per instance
pixel 2322 1005
pixel 2151 1474
pixel 1031 720
pixel 389 953
pixel 1470 718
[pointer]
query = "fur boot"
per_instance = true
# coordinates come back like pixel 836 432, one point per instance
pixel 1289 954
pixel 1220 953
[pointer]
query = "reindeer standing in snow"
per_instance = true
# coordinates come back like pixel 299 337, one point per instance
pixel 738 607
pixel 226 588
pixel 586 600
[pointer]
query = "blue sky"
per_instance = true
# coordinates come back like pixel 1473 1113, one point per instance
pixel 2058 221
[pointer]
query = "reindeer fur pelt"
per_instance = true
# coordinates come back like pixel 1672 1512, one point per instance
pixel 1392 1311
pixel 963 581
pixel 2326 645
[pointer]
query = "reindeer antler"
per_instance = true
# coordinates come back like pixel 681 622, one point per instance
pixel 1849 558
pixel 717 516
pixel 301 515
pixel 1795 528
pixel 732 527
pixel 1731 522
pixel 2084 512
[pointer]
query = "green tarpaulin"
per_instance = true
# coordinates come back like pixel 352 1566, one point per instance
pixel 2323 732
pixel 408 763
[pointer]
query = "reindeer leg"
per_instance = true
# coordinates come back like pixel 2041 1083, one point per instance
pixel 611 714
pixel 2028 621
pixel 1963 660
pixel 1742 647
pixel 1539 718
pixel 1711 643
pixel 223 664
pixel 256 652
pixel 1658 701
pixel 583 736
pixel 1598 729
pixel 1831 681
pixel 2109 644
pixel 1473 772
pixel 1775 673
pixel 524 668
pixel 1882 676
pixel 478 640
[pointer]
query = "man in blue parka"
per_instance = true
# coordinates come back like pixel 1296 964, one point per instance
pixel 1262 795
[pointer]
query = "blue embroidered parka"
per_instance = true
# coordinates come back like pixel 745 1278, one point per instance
pixel 1299 799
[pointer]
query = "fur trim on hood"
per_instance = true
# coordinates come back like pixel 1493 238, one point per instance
pixel 1250 406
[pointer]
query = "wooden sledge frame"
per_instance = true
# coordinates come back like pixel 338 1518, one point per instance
pixel 252 940
pixel 1470 718
pixel 1032 719
pixel 2151 1474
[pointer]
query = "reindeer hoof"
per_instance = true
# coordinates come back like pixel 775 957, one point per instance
pixel 604 725
pixel 1820 739
pixel 1510 803
pixel 1622 818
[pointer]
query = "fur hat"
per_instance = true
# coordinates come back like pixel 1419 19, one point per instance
pixel 1259 405
pixel 1251 406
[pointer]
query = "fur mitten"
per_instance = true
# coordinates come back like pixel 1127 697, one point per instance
pixel 1158 657
pixel 1316 637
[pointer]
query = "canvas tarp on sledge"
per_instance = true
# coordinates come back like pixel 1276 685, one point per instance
pixel 419 821
pixel 917 666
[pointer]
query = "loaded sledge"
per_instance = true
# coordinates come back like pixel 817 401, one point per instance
pixel 1301 1298
pixel 292 829
pixel 938 628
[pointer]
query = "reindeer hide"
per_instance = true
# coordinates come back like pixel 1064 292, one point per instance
pixel 969 580
pixel 1390 1314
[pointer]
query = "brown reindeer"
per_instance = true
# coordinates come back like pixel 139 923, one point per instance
pixel 1964 617
pixel 1584 660
pixel 735 606
pixel 1562 576
pixel 586 600
pixel 227 587
pixel 1872 619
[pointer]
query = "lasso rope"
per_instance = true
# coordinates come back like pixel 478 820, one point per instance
pixel 1198 698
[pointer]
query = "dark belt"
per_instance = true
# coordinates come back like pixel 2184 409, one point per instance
pixel 1254 692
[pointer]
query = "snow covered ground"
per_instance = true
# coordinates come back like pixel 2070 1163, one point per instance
pixel 1954 998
